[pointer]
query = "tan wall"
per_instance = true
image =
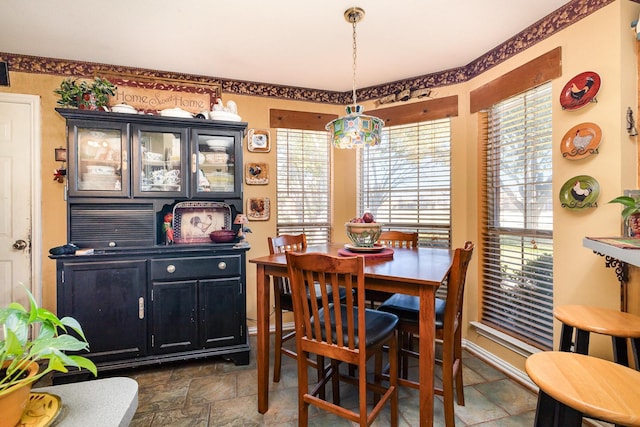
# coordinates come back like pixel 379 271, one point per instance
pixel 603 42
pixel 580 276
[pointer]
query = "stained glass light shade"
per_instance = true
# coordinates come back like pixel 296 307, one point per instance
pixel 355 129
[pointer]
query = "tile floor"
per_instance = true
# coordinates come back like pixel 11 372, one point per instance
pixel 214 392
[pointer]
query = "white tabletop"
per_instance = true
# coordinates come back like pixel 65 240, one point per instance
pixel 108 402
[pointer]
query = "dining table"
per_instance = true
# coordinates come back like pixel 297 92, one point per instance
pixel 418 271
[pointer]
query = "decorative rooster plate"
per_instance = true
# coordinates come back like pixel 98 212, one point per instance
pixel 580 90
pixel 580 192
pixel 581 141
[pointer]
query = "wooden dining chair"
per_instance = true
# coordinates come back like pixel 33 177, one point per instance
pixel 448 329
pixel 282 297
pixel 392 239
pixel 399 239
pixel 343 332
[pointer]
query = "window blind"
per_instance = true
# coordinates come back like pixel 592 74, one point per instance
pixel 517 267
pixel 303 184
pixel 405 182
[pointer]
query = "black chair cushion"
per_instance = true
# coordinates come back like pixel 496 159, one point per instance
pixel 407 307
pixel 379 325
pixel 286 302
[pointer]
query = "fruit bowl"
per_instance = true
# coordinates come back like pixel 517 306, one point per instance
pixel 222 236
pixel 363 234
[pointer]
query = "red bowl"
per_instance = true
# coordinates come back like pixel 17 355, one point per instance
pixel 222 236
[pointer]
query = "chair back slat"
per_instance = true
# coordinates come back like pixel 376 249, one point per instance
pixel 327 319
pixel 455 287
pixel 398 239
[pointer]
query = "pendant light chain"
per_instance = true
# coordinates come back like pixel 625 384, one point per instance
pixel 355 50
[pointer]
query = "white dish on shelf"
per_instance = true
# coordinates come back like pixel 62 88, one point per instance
pixel 124 108
pixel 220 144
pixel 224 115
pixel 100 170
pixel 175 112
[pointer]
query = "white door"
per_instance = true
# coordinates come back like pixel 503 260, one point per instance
pixel 19 160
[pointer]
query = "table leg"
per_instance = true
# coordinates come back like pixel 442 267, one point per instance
pixel 427 353
pixel 262 355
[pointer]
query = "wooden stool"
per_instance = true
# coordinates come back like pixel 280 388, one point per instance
pixel 585 319
pixel 573 385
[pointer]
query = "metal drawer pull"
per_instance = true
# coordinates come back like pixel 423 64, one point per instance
pixel 222 265
pixel 171 268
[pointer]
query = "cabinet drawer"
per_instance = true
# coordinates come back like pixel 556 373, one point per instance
pixel 197 267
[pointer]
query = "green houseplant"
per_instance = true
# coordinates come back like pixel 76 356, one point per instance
pixel 84 94
pixel 31 338
pixel 630 212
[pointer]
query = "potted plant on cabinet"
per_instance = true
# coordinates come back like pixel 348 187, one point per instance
pixel 31 338
pixel 85 95
pixel 630 213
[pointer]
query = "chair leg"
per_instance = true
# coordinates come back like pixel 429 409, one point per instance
pixel 447 384
pixel 635 349
pixel 320 375
pixel 393 382
pixel 457 363
pixel 620 354
pixel 277 354
pixel 404 343
pixel 335 381
pixel 303 389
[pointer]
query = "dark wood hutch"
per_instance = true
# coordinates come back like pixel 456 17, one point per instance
pixel 139 299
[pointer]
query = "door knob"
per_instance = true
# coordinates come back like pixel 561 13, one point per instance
pixel 20 245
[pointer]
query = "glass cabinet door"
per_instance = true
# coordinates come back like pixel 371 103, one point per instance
pixel 99 160
pixel 213 162
pixel 159 158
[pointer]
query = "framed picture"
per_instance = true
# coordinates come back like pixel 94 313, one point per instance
pixel 256 173
pixel 61 154
pixel 258 208
pixel 258 141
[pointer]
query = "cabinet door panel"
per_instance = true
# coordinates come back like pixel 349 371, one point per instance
pixel 159 159
pixel 216 169
pixel 98 159
pixel 108 299
pixel 222 312
pixel 174 316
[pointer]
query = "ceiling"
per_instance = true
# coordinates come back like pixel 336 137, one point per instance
pixel 289 42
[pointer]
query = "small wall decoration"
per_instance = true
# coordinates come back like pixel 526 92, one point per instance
pixel 580 192
pixel 256 173
pixel 258 208
pixel 580 90
pixel 258 141
pixel 581 141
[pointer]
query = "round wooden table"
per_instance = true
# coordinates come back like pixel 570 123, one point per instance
pixel 573 385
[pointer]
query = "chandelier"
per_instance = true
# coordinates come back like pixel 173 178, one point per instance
pixel 355 129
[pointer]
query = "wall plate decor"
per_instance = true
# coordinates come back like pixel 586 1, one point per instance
pixel 580 90
pixel 256 173
pixel 580 192
pixel 581 141
pixel 258 208
pixel 258 141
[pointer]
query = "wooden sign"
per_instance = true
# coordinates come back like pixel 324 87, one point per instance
pixel 150 94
